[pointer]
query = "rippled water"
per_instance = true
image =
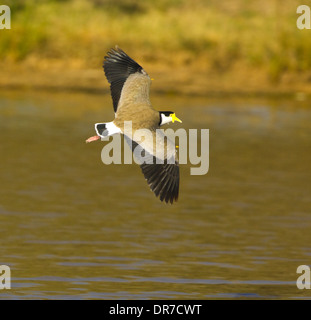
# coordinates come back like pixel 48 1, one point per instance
pixel 74 228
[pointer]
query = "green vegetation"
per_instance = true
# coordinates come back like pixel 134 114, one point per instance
pixel 215 36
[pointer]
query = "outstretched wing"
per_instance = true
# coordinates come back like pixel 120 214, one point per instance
pixel 161 172
pixel 163 180
pixel 118 66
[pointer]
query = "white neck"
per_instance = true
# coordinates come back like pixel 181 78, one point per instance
pixel 165 119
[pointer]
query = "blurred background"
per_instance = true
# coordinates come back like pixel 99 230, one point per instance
pixel 74 228
pixel 201 46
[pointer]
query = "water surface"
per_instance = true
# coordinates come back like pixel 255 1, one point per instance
pixel 74 228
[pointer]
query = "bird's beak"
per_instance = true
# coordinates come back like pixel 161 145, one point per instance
pixel 174 118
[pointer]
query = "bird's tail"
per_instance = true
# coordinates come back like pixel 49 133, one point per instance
pixel 106 129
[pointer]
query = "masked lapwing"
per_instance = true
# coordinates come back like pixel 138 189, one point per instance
pixel 130 86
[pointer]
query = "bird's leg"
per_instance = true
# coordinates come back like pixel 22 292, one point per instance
pixel 91 139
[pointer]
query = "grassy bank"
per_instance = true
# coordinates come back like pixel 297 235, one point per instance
pixel 228 44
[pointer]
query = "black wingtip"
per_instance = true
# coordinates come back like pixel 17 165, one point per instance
pixel 163 180
pixel 121 61
pixel 115 51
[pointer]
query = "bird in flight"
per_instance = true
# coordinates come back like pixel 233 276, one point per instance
pixel 130 86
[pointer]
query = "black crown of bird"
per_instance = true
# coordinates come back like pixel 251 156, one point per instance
pixel 130 87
